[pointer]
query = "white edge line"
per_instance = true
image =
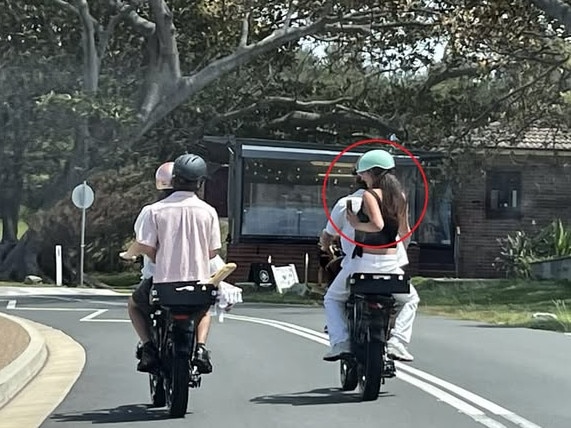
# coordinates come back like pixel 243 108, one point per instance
pixel 93 315
pixel 470 396
pixel 475 399
pixel 462 406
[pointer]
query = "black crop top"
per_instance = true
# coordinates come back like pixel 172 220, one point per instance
pixel 385 236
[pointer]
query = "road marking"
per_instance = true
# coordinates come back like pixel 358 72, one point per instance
pixel 93 315
pixel 462 406
pixel 12 305
pixel 323 338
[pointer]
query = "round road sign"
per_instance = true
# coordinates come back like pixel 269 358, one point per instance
pixel 82 196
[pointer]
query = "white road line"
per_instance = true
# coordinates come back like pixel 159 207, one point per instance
pixel 12 305
pixel 462 406
pixel 93 315
pixel 323 338
pixel 476 399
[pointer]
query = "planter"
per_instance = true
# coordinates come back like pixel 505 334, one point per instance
pixel 559 268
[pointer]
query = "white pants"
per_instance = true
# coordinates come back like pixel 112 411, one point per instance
pixel 338 294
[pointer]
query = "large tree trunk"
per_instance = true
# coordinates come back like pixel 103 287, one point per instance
pixel 10 200
pixel 20 259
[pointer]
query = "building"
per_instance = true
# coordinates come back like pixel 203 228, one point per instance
pixel 522 186
pixel 271 193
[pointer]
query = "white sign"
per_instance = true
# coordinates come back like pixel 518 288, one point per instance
pixel 285 277
pixel 82 196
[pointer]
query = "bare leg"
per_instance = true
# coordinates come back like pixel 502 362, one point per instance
pixel 140 321
pixel 202 328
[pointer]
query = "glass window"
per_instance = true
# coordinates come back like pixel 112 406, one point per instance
pixel 283 197
pixel 503 194
pixel 436 227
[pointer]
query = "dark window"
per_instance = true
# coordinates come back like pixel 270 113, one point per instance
pixel 503 194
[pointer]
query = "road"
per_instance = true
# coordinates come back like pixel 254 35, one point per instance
pixel 268 372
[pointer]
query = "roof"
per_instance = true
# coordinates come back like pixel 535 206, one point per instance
pixel 542 138
pixel 496 136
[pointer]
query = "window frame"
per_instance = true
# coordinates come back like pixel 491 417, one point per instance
pixel 504 176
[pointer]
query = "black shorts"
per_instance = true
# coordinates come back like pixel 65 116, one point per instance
pixel 142 294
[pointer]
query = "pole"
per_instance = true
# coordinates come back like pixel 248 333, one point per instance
pixel 82 236
pixel 58 266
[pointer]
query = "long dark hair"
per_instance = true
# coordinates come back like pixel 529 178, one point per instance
pixel 394 203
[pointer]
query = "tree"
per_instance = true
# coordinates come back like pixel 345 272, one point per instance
pixel 431 71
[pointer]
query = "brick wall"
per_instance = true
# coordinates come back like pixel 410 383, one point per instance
pixel 283 254
pixel 545 195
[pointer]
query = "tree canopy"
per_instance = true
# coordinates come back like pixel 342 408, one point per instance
pixel 95 88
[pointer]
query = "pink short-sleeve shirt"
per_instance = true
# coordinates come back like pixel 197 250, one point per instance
pixel 183 229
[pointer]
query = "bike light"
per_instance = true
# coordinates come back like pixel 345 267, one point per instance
pixel 181 317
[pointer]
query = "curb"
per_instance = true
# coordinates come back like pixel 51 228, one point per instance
pixel 16 375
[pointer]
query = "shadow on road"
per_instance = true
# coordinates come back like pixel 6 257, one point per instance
pixel 312 398
pixel 125 413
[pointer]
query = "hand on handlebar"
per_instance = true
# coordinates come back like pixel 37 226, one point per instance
pixel 125 256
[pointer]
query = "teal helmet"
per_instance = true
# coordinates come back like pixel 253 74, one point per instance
pixel 375 158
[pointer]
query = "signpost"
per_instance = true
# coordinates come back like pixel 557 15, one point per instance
pixel 82 197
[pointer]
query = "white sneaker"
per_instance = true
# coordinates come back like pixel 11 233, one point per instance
pixel 338 351
pixel 397 351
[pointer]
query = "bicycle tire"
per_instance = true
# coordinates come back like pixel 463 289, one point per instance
pixel 178 395
pixel 370 376
pixel 349 375
pixel 158 395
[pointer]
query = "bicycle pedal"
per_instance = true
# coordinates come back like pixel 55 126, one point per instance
pixel 389 370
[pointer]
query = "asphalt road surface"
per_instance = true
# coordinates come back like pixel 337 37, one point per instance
pixel 268 372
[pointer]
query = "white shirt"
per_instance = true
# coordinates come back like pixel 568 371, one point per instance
pixel 338 216
pixel 148 269
pixel 184 230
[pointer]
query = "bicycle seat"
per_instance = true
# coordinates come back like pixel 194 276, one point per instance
pixel 379 283
pixel 188 293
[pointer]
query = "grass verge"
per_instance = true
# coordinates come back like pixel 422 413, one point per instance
pixel 502 302
pixel 509 303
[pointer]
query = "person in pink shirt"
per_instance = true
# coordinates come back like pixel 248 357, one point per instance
pixel 181 234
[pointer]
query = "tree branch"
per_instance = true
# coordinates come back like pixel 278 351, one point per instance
pixel 556 9
pixel 339 27
pixel 70 8
pixel 143 26
pixel 166 33
pixel 190 85
pixel 90 57
pixel 245 30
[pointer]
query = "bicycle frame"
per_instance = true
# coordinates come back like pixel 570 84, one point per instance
pixel 370 312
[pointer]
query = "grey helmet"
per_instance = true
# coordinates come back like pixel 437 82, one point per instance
pixel 190 167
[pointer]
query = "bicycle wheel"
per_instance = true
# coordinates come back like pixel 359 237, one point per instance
pixel 158 396
pixel 349 375
pixel 177 393
pixel 370 375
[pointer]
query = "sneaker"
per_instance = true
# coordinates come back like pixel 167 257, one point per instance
pixel 397 351
pixel 202 360
pixel 149 358
pixel 338 352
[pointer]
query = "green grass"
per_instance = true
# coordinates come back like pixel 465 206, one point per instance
pixel 502 302
pixel 22 228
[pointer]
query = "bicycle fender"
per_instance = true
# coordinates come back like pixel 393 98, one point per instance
pixel 182 337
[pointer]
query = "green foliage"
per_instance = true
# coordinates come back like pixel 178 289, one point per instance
pixel 520 249
pixel 516 254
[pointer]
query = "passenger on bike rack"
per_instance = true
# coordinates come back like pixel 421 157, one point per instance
pixel 181 234
pixel 339 218
pixel 382 217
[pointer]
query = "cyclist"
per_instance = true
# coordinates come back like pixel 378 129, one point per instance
pixel 380 219
pixel 181 234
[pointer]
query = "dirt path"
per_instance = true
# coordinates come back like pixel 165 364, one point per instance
pixel 13 341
